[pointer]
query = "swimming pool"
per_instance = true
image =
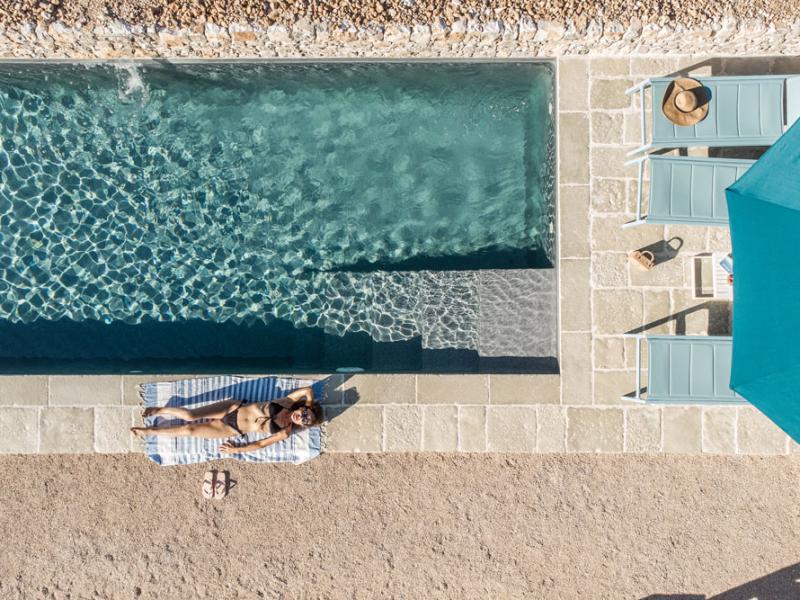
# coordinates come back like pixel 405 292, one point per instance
pixel 267 215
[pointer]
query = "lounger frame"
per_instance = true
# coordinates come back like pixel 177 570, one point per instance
pixel 721 171
pixel 691 369
pixel 777 105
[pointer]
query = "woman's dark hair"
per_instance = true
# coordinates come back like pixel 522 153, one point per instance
pixel 319 415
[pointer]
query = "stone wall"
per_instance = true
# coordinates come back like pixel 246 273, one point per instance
pixel 464 38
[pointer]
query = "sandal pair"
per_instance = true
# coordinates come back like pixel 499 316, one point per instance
pixel 215 485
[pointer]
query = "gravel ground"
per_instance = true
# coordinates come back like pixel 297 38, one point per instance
pixel 190 13
pixel 404 526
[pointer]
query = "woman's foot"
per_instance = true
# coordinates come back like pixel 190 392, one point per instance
pixel 151 411
pixel 139 432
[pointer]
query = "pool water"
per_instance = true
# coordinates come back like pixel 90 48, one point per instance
pixel 199 210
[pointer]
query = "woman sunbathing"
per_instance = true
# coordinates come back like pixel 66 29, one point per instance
pixel 277 418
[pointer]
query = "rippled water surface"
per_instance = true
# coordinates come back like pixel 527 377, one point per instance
pixel 325 195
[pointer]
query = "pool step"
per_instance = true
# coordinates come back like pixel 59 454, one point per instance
pixel 518 313
pixel 447 313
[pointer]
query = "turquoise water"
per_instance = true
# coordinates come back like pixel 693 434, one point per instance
pixel 242 194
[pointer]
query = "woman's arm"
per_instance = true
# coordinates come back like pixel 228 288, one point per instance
pixel 304 393
pixel 229 448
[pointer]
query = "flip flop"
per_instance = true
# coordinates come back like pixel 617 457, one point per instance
pixel 221 485
pixel 209 484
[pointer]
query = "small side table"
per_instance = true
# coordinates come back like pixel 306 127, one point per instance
pixel 710 279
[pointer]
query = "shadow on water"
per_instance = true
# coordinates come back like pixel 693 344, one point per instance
pixel 488 258
pixel 196 346
pixel 783 584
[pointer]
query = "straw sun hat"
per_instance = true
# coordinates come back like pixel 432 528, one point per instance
pixel 685 101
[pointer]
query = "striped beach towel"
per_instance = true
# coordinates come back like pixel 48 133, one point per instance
pixel 301 446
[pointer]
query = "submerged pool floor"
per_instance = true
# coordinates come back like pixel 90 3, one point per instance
pixel 190 211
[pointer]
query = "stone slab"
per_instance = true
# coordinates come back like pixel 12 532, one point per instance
pixel 657 312
pixel 682 429
pixel 576 368
pixel 66 430
pixel 551 429
pixel 453 389
pixel 573 84
pixel 112 429
pixel 630 353
pixel 85 390
pixel 402 428
pixel 609 161
pixel 576 307
pixel 606 66
pixel 19 430
pixel 594 429
pixel 23 390
pixel 689 238
pixel 756 434
pixel 610 386
pixel 609 352
pixel 609 236
pixel 511 429
pixel 719 239
pixel 525 389
pixel 333 388
pixel 632 128
pixel 472 428
pixel 617 311
pixel 643 429
pixel 131 383
pixel 573 148
pixel 666 273
pixel 610 93
pixel 607 128
pixel 440 429
pixel 354 428
pixel 609 196
pixel 656 66
pixel 692 315
pixel 610 269
pixel 573 207
pixel 136 445
pixel 380 389
pixel 719 430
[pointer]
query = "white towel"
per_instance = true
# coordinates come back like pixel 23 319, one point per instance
pixel 301 446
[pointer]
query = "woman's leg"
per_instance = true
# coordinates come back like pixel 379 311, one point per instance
pixel 210 411
pixel 212 429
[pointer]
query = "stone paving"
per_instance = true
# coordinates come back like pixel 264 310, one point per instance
pixel 602 296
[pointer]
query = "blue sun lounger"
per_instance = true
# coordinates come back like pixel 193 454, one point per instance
pixel 743 111
pixel 686 369
pixel 686 190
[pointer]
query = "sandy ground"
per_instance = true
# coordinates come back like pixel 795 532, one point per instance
pixel 404 526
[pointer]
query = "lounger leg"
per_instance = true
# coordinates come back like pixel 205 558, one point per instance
pixel 637 394
pixel 640 179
